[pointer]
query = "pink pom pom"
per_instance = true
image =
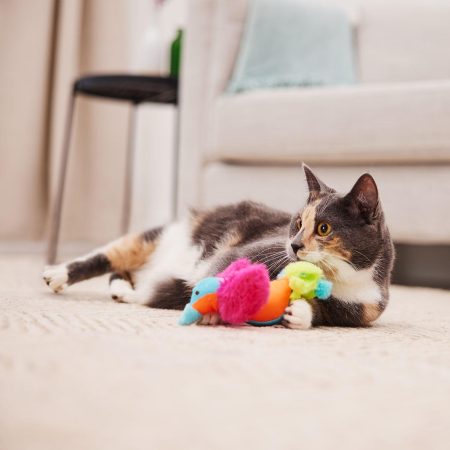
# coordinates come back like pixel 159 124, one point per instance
pixel 243 292
pixel 234 267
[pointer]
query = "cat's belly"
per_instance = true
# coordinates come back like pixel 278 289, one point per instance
pixel 175 257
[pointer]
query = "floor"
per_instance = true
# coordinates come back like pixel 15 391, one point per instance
pixel 79 371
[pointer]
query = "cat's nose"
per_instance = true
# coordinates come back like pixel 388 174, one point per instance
pixel 296 247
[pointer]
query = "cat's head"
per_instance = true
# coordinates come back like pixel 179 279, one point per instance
pixel 338 231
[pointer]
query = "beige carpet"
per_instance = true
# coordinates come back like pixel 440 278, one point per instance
pixel 81 372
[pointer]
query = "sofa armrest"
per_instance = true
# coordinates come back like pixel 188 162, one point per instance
pixel 208 60
pixel 196 53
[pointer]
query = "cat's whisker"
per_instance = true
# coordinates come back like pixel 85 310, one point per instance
pixel 273 261
pixel 329 257
pixel 269 251
pixel 277 265
pixel 277 258
pixel 326 265
pixel 331 271
pixel 362 254
pixel 342 259
pixel 270 256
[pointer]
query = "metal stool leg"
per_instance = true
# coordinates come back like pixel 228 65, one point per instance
pixel 57 203
pixel 129 169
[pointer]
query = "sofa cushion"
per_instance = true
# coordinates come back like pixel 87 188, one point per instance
pixel 405 122
pixel 413 197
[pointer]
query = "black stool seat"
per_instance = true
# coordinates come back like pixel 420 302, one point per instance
pixel 134 88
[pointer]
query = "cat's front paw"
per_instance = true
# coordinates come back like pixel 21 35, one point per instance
pixel 298 315
pixel 56 277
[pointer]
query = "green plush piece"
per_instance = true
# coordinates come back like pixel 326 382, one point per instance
pixel 303 278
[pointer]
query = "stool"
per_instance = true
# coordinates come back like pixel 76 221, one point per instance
pixel 135 89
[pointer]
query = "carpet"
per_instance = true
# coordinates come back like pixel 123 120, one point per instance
pixel 78 371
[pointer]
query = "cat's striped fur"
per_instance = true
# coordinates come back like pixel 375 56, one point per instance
pixel 158 268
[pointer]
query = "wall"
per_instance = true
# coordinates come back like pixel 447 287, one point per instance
pixel 44 46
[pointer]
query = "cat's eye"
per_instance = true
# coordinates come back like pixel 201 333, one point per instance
pixel 323 229
pixel 299 223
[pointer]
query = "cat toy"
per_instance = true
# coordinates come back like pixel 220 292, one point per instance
pixel 243 293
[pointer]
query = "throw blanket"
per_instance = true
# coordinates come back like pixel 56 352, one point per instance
pixel 294 43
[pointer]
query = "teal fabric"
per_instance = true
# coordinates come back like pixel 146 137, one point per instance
pixel 189 315
pixel 265 324
pixel 294 43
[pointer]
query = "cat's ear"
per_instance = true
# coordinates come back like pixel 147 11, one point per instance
pixel 315 185
pixel 364 195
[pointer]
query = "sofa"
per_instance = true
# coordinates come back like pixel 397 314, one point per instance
pixel 394 123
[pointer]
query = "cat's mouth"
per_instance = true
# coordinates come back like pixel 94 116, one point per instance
pixel 323 259
pixel 304 255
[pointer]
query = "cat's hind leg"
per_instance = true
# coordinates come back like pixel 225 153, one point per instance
pixel 121 287
pixel 125 254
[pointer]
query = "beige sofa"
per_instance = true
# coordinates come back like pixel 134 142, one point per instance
pixel 395 123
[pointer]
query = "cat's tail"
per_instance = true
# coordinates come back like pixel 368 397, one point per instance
pixel 123 255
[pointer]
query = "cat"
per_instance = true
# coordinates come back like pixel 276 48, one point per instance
pixel 344 235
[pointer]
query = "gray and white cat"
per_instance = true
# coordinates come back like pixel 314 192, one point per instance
pixel 345 235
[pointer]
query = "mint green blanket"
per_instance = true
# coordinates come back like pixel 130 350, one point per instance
pixel 294 43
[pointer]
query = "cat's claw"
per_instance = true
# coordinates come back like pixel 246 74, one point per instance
pixel 298 315
pixel 56 277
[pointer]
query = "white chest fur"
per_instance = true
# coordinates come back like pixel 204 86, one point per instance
pixel 355 286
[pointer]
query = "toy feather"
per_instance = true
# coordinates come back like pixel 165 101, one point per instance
pixel 243 291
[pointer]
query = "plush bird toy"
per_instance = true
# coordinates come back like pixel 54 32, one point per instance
pixel 243 293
